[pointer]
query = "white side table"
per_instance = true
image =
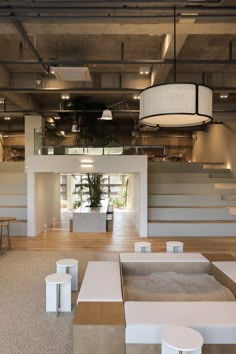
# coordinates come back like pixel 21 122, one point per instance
pixel 181 340
pixel 69 266
pixel 174 247
pixel 58 292
pixel 142 247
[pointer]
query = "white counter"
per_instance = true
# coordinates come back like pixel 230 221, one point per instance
pixel 86 219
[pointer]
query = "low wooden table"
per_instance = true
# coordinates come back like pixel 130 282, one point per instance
pixel 4 222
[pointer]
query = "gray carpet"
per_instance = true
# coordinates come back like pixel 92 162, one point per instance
pixel 25 326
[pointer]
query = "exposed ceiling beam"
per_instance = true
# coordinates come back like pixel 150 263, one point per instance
pixel 78 62
pixel 123 28
pixel 160 74
pixel 94 90
pixel 26 39
pixel 110 17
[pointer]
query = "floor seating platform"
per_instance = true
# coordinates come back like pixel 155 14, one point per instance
pixel 102 282
pixel 215 321
pixel 145 263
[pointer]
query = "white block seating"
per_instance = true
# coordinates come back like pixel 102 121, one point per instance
pixel 58 292
pixel 142 247
pixel 181 339
pixel 215 321
pixel 174 246
pixel 228 268
pixel 163 257
pixel 102 282
pixel 69 266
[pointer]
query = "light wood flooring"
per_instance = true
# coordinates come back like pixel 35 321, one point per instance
pixel 121 239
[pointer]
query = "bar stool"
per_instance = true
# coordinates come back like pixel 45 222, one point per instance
pixel 58 292
pixel 174 247
pixel 142 247
pixel 69 266
pixel 181 340
pixel 6 233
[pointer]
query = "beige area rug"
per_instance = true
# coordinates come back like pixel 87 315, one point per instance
pixel 25 326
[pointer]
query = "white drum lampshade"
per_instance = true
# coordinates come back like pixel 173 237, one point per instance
pixel 106 115
pixel 176 105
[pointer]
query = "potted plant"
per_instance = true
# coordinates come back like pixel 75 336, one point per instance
pixel 94 182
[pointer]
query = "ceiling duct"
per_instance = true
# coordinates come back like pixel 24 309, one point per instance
pixel 64 73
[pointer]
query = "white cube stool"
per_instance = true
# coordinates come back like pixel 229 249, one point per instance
pixel 174 247
pixel 181 340
pixel 58 292
pixel 142 247
pixel 69 266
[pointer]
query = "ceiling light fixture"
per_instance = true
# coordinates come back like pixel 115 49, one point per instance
pixel 224 96
pixel 7 118
pixel 144 70
pixel 65 96
pixel 106 115
pixel 177 104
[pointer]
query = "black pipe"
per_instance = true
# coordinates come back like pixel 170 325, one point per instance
pixel 72 62
pixel 25 37
pixel 68 62
pixel 56 8
pixel 109 17
pixel 92 90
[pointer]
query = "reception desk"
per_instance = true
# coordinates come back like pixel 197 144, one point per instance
pixel 86 219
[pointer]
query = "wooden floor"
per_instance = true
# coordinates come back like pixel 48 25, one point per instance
pixel 121 239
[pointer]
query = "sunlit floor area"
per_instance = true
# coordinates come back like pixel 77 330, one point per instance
pixel 121 239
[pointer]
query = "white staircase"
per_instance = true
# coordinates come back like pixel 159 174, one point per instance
pixel 13 196
pixel 185 199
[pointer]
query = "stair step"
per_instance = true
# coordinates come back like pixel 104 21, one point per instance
pixel 18 213
pixel 181 188
pixel 18 227
pixel 229 197
pixel 187 199
pixel 192 229
pixel 190 214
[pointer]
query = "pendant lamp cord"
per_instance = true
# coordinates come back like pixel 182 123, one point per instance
pixel 174 43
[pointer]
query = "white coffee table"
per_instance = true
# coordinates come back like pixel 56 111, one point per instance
pixel 142 247
pixel 58 292
pixel 174 247
pixel 69 266
pixel 181 340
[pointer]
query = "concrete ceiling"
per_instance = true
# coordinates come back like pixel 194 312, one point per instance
pixel 113 39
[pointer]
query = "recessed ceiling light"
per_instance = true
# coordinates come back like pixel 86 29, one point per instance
pixel 224 96
pixel 65 96
pixel 144 70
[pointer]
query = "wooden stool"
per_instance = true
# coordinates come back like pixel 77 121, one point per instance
pixel 181 340
pixel 142 247
pixel 174 247
pixel 58 292
pixel 69 266
pixel 5 224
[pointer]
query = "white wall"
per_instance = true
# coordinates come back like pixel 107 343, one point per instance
pixel 216 145
pixel 104 164
pixel 46 201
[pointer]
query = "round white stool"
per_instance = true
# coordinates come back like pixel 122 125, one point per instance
pixel 69 266
pixel 174 247
pixel 181 339
pixel 58 292
pixel 142 247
